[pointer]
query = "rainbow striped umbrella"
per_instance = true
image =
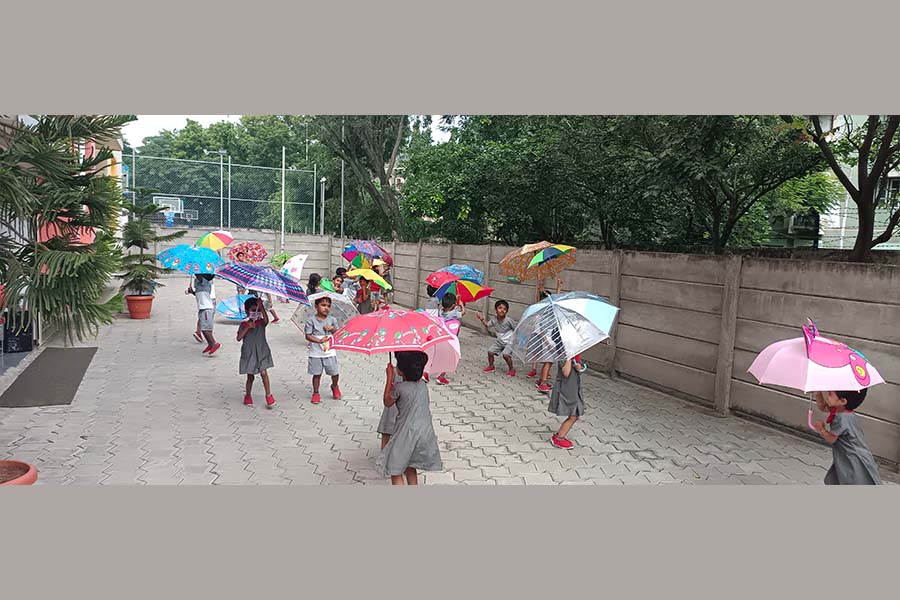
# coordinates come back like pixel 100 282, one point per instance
pixel 548 254
pixel 370 275
pixel 464 290
pixel 362 253
pixel 215 240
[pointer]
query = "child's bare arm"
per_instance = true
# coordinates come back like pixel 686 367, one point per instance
pixel 829 437
pixel 242 330
pixel 567 368
pixel 462 309
pixel 558 285
pixel 314 339
pixel 388 385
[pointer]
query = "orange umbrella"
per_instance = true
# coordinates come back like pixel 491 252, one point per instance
pixel 516 263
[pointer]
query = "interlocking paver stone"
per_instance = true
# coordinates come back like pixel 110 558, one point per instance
pixel 143 416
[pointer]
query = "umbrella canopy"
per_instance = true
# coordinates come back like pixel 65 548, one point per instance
pixel 341 309
pixel 253 252
pixel 464 290
pixel 233 308
pixel 190 259
pixel 454 272
pixel 390 330
pixel 813 363
pixel 370 275
pixel 364 252
pixel 444 356
pixel 551 253
pixel 215 240
pixel 516 263
pixel 294 266
pixel 263 279
pixel 562 326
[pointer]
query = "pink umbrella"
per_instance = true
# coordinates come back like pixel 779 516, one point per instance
pixel 813 363
pixel 444 356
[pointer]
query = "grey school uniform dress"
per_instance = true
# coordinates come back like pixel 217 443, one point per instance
pixel 566 399
pixel 414 443
pixel 256 356
pixel 853 462
pixel 504 330
pixel 387 425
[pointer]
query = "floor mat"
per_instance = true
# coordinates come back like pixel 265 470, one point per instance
pixel 50 380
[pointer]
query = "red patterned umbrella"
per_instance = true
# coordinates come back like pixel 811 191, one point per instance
pixel 253 252
pixel 390 330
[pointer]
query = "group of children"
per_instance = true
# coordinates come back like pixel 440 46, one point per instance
pixel 408 440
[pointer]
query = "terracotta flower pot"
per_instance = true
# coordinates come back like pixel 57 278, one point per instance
pixel 13 472
pixel 139 306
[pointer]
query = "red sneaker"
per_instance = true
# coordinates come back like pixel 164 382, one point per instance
pixel 205 350
pixel 248 401
pixel 489 369
pixel 425 377
pixel 561 442
pixel 316 398
pixel 543 387
pixel 511 372
pixel 275 320
pixel 336 392
pixel 443 380
pixel 270 401
pixel 532 374
pixel 198 337
pixel 213 349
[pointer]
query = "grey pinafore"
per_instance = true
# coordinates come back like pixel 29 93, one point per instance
pixel 413 443
pixel 566 399
pixel 256 356
pixel 853 462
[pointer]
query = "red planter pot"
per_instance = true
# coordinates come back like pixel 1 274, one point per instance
pixel 13 472
pixel 139 306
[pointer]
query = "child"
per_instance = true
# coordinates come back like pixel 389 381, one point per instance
pixel 566 401
pixel 321 356
pixel 450 310
pixel 413 446
pixel 363 298
pixel 433 303
pixel 853 462
pixel 256 357
pixel 313 285
pixel 266 303
pixel 543 383
pixel 337 282
pixel 504 327
pixel 202 291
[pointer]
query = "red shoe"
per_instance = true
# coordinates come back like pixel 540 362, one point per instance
pixel 198 337
pixel 532 374
pixel 511 372
pixel 275 320
pixel 205 350
pixel 543 387
pixel 425 377
pixel 270 401
pixel 489 369
pixel 443 380
pixel 248 401
pixel 316 398
pixel 213 349
pixel 336 392
pixel 561 442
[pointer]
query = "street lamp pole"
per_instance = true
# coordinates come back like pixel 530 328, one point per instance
pixel 322 210
pixel 222 154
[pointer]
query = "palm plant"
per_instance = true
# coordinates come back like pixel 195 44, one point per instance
pixel 47 186
pixel 142 274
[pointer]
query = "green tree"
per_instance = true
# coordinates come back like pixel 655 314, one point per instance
pixel 45 183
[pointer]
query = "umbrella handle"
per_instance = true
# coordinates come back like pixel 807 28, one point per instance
pixel 809 420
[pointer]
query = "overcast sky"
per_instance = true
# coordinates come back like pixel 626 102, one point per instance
pixel 148 125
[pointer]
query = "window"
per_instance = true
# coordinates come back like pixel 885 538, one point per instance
pixel 889 194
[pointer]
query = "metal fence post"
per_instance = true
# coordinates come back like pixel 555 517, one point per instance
pixel 315 189
pixel 229 191
pixel 283 150
pixel 221 191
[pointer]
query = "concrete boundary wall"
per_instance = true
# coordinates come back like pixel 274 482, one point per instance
pixel 692 324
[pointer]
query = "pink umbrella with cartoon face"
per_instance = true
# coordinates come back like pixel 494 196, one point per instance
pixel 813 363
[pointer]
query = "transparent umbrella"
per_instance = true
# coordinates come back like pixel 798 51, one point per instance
pixel 341 309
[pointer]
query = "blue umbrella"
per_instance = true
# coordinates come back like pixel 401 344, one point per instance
pixel 465 272
pixel 233 308
pixel 190 259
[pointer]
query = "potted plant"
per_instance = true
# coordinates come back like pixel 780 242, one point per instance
pixel 141 276
pixel 13 472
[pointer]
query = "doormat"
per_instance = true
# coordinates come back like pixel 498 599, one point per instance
pixel 50 380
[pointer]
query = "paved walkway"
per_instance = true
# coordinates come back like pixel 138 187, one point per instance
pixel 153 410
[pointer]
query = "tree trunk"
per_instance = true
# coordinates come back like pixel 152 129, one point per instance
pixel 862 250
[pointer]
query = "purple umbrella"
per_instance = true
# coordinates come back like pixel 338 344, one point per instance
pixel 263 279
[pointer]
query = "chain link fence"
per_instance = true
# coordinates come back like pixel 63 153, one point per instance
pixel 211 194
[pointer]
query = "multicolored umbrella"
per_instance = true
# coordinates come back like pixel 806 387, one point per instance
pixel 361 254
pixel 263 279
pixel 516 263
pixel 294 266
pixel 814 363
pixel 390 330
pixel 562 326
pixel 215 240
pixel 370 275
pixel 233 308
pixel 342 309
pixel 253 252
pixel 551 253
pixel 464 290
pixel 190 259
pixel 454 272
